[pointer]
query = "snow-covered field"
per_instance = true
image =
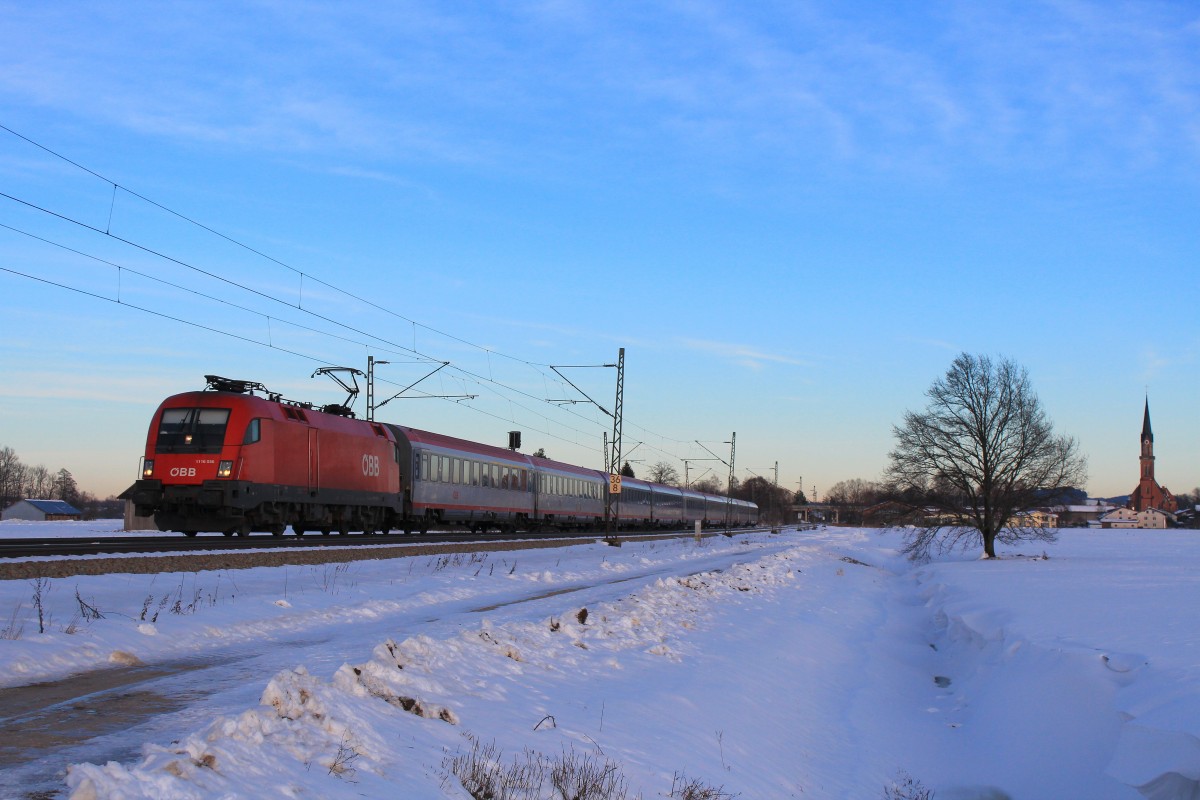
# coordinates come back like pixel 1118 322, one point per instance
pixel 811 664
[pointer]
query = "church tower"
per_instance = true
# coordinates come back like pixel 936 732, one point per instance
pixel 1148 493
pixel 1147 458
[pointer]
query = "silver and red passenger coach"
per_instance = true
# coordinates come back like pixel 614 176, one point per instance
pixel 225 459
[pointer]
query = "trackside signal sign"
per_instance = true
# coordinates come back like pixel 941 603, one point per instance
pixel 614 483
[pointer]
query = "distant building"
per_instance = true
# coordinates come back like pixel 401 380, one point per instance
pixel 816 512
pixel 1034 519
pixel 1148 493
pixel 886 514
pixel 1078 516
pixel 42 510
pixel 1150 518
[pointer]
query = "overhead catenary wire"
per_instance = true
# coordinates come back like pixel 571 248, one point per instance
pixel 299 305
pixel 256 252
pixel 264 295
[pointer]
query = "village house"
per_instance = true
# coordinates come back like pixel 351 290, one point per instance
pixel 42 511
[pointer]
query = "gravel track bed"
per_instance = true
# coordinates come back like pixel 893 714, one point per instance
pixel 248 559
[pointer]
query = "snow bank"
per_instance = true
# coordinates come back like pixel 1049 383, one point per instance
pixel 342 730
pixel 1095 643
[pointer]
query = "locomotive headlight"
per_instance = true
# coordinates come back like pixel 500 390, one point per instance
pixel 187 438
pixel 148 468
pixel 224 469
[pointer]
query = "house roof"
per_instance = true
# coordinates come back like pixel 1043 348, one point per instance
pixel 54 506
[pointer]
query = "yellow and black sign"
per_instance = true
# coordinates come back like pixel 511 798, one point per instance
pixel 614 483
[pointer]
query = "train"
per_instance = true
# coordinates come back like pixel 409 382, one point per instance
pixel 236 458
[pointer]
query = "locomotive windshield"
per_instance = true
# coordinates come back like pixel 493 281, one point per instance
pixel 192 430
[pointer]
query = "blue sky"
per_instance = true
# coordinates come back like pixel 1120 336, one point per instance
pixel 791 215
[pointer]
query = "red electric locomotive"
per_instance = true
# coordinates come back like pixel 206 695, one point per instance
pixel 227 460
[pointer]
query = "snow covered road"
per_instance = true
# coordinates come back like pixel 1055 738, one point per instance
pixel 807 664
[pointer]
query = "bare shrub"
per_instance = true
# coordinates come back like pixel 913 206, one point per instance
pixel 906 787
pixel 685 788
pixel 87 610
pixel 13 630
pixel 41 587
pixel 485 775
pixel 577 776
pixel 343 761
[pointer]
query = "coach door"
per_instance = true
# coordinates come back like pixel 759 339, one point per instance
pixel 535 479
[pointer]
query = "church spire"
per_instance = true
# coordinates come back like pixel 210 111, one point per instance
pixel 1147 434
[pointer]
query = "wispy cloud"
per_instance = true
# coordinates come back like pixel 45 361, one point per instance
pixel 746 355
pixel 940 344
pixel 792 85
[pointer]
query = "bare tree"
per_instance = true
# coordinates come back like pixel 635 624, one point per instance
pixel 774 502
pixel 65 487
pixel 981 451
pixel 39 482
pixel 853 492
pixel 12 476
pixel 710 484
pixel 662 472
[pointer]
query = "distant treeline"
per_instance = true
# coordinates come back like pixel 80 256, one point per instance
pixel 20 481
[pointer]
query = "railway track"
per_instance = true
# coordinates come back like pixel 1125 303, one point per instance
pixel 174 543
pixel 32 558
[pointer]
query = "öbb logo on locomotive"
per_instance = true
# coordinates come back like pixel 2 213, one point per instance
pixel 278 463
pixel 370 466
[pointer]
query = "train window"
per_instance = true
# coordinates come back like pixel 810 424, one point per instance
pixel 455 470
pixel 445 476
pixel 396 453
pixel 253 432
pixel 495 470
pixel 192 430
